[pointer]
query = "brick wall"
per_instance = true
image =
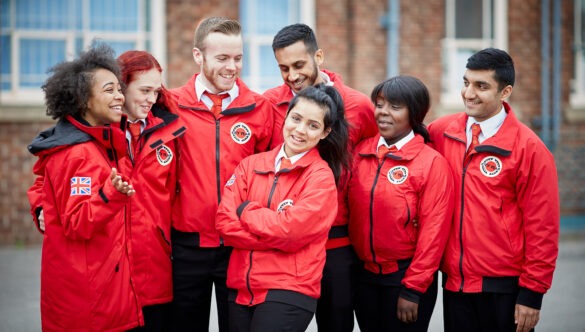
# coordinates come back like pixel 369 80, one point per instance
pixel 16 226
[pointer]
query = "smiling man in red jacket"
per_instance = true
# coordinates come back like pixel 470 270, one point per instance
pixel 219 137
pixel 501 255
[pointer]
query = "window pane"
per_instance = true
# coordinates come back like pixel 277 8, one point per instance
pixel 269 66
pixel 468 15
pixel 46 15
pixel 4 13
pixel 121 47
pixel 5 50
pixel 114 15
pixel 37 56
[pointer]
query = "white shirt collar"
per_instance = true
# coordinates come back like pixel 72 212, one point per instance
pixel 200 88
pixel 142 126
pixel 402 142
pixel 281 154
pixel 489 127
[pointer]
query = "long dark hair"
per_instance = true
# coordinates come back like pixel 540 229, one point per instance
pixel 410 92
pixel 333 148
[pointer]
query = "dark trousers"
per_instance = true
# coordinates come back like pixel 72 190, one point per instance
pixel 156 318
pixel 268 317
pixel 335 306
pixel 376 308
pixel 478 312
pixel 195 271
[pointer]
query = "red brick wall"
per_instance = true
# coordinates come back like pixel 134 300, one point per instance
pixel 421 30
pixel 16 226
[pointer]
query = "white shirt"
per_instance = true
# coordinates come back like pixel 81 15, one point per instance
pixel 281 154
pixel 398 144
pixel 200 88
pixel 142 126
pixel 488 127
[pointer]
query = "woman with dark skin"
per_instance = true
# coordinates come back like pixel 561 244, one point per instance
pixel 85 276
pixel 400 205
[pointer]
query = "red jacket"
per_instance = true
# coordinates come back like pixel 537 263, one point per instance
pixel 359 112
pixel 506 221
pixel 86 282
pixel 278 225
pixel 384 198
pixel 149 210
pixel 211 150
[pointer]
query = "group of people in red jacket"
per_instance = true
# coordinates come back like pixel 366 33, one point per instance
pixel 308 200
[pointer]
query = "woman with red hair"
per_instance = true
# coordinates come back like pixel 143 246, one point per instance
pixel 152 131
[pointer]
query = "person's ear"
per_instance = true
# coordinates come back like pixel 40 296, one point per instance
pixel 197 56
pixel 325 133
pixel 319 57
pixel 506 92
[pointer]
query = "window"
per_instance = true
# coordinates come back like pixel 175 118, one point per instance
pixel 261 20
pixel 471 25
pixel 37 34
pixel 577 96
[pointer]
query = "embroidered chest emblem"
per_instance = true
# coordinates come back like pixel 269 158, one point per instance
pixel 284 205
pixel 490 166
pixel 231 180
pixel 398 174
pixel 164 155
pixel 240 133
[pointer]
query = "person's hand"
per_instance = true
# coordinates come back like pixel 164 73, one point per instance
pixel 407 311
pixel 121 185
pixel 525 317
pixel 42 221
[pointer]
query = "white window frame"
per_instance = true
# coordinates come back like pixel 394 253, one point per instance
pixel 577 94
pixel 18 96
pixel 254 42
pixel 452 79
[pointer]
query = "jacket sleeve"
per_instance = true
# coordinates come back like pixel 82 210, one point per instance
pixel 227 221
pixel 435 219
pixel 35 198
pixel 538 199
pixel 82 215
pixel 308 219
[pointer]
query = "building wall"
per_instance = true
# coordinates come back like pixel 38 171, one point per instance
pixel 354 42
pixel 16 163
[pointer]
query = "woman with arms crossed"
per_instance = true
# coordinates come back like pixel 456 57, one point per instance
pixel 276 212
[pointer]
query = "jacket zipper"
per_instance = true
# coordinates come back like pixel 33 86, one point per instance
pixel 466 162
pixel 217 175
pixel 372 216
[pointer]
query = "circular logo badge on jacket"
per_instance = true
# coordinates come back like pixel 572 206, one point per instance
pixel 397 174
pixel 284 205
pixel 164 155
pixel 490 166
pixel 241 133
pixel 231 180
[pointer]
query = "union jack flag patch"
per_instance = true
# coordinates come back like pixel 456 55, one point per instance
pixel 80 185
